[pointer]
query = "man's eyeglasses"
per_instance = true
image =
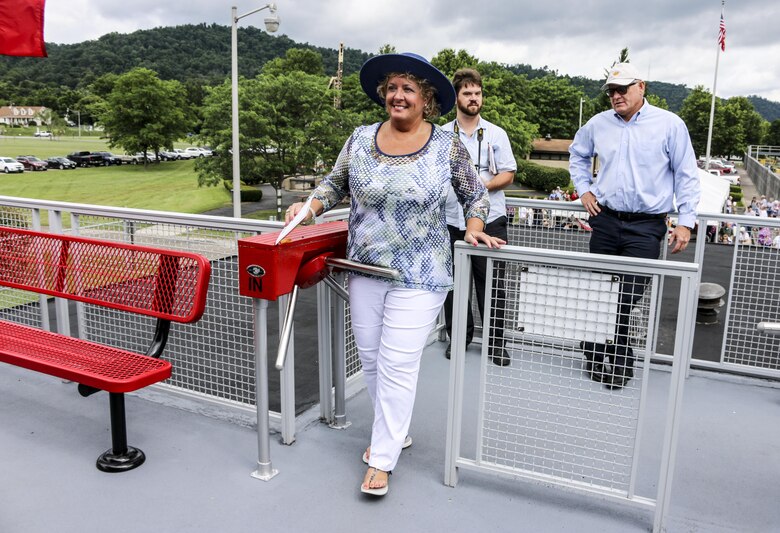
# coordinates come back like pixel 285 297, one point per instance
pixel 620 90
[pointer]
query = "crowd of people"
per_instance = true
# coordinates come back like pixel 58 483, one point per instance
pixel 748 234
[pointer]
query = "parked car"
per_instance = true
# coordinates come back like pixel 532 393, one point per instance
pixel 9 165
pixel 183 154
pixel 132 159
pixel 168 155
pixel 85 159
pixel 31 162
pixel 62 163
pixel 107 158
pixel 198 152
pixel 42 134
pixel 717 165
pixel 726 164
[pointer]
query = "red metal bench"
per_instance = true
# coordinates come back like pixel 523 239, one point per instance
pixel 164 284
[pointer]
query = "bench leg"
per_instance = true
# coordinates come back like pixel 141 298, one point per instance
pixel 120 457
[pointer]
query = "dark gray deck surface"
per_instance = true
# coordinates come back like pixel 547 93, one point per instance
pixel 196 478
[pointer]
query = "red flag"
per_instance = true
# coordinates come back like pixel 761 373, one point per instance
pixel 21 28
pixel 722 34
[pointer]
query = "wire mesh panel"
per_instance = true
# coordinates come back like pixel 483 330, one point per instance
pixel 16 305
pixel 562 399
pixel 567 404
pixel 755 297
pixel 350 348
pixel 214 357
pixel 548 224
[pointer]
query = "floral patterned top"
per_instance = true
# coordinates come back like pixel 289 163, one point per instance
pixel 397 215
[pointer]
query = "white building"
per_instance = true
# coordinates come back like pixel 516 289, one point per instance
pixel 16 115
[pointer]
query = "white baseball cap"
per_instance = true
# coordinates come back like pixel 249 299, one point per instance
pixel 621 74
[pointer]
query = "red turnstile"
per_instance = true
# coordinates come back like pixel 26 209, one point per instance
pixel 267 270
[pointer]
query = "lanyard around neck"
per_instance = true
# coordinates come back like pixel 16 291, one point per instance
pixel 480 135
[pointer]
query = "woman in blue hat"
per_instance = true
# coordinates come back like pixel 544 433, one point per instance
pixel 397 174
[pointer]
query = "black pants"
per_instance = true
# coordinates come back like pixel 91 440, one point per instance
pixel 636 238
pixel 497 228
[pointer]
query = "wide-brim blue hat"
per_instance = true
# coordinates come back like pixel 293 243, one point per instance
pixel 373 72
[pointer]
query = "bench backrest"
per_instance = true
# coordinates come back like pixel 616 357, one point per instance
pixel 164 284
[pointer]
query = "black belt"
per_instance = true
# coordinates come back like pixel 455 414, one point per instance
pixel 631 217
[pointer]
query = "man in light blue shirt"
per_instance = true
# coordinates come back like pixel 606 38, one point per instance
pixel 490 151
pixel 646 162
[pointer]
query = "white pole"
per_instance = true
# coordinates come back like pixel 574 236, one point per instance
pixel 581 100
pixel 712 106
pixel 234 111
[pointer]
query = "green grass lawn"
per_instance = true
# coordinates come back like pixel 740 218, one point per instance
pixel 166 186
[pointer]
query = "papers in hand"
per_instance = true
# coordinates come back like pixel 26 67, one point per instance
pixel 294 222
pixel 491 160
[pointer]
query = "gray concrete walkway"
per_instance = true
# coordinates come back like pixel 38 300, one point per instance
pixel 196 478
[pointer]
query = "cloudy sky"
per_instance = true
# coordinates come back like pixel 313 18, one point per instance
pixel 669 40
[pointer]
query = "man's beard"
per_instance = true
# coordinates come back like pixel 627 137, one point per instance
pixel 467 111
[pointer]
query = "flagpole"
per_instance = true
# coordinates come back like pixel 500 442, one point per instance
pixel 714 88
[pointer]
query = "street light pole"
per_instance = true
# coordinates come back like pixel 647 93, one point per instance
pixel 271 25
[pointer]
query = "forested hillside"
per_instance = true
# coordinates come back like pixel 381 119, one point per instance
pixel 190 53
pixel 199 55
pixel 766 108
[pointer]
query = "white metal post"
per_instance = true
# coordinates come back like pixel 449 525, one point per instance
pixel 234 111
pixel 271 25
pixel 325 343
pixel 287 375
pixel 462 265
pixel 265 470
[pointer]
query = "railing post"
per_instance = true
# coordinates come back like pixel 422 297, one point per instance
pixel 60 304
pixel 287 377
pixel 685 308
pixel 462 266
pixel 265 470
pixel 340 363
pixel 325 351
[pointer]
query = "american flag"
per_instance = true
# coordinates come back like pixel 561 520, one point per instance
pixel 722 33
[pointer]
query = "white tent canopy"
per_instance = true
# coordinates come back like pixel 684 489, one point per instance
pixel 714 192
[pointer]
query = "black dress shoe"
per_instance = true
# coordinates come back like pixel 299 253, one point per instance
pixel 500 359
pixel 595 371
pixel 619 378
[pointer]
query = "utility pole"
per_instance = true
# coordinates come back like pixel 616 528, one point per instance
pixel 337 80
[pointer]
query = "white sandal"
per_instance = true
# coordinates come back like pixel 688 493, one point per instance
pixel 405 445
pixel 378 491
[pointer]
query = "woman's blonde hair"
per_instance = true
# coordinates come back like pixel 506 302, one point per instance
pixel 432 110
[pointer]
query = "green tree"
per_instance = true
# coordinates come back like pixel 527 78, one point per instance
pixel 387 49
pixel 354 101
pixel 657 101
pixel 144 113
pixel 772 138
pixel 507 115
pixel 58 126
pixel 296 60
pixel 556 106
pixel 695 112
pixel 288 127
pixel 448 61
pixel 753 125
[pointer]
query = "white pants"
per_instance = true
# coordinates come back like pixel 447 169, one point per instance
pixel 391 326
